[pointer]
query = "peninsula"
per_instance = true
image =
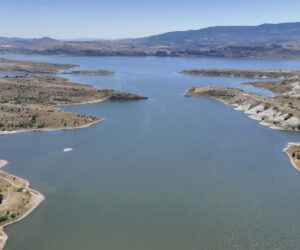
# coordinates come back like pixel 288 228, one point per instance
pixel 32 102
pixel 17 200
pixel 281 111
pixel 293 152
pixel 19 66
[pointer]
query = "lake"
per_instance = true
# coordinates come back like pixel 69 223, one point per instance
pixel 168 173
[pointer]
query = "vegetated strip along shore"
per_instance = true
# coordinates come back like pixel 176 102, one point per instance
pixel 243 73
pixel 31 102
pixel 17 200
pixel 91 72
pixel 279 112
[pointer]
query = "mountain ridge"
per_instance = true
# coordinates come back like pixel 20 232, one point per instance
pixel 263 41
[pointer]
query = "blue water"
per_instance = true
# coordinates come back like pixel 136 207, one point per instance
pixel 166 173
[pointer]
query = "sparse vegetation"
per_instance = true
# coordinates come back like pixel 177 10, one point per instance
pixel 3 218
pixel 31 102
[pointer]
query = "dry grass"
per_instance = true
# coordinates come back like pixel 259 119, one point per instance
pixel 31 102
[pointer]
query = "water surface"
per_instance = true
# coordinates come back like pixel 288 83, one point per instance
pixel 166 173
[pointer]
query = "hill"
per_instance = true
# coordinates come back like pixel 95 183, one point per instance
pixel 264 41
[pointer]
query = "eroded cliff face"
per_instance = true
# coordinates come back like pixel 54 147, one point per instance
pixel 277 113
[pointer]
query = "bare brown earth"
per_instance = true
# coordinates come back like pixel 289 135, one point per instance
pixel 32 102
pixel 17 200
pixel 18 66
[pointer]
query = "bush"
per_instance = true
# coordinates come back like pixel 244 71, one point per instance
pixel 41 125
pixel 3 218
pixel 13 215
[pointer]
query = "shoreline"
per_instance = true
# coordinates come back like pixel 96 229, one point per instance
pixel 238 108
pixel 36 199
pixel 83 103
pixel 262 109
pixel 243 73
pixel 3 133
pixel 255 109
pixel 286 151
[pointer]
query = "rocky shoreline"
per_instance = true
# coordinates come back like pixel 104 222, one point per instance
pixel 267 111
pixel 279 112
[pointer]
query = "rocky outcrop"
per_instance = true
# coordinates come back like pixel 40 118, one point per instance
pixel 268 111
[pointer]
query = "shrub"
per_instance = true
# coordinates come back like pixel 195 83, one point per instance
pixel 41 125
pixel 13 215
pixel 3 218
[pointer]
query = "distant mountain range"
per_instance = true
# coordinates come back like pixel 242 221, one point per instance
pixel 263 41
pixel 230 36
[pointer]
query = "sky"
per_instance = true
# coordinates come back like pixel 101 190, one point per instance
pixel 114 19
